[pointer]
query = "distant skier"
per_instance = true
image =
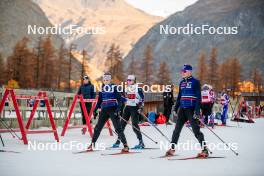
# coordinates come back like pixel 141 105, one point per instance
pixel 208 98
pixel 134 104
pixel 88 92
pixel 168 101
pixel 109 103
pixel 224 102
pixel 188 104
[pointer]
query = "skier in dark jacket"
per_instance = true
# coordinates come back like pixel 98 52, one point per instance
pixel 109 103
pixel 88 92
pixel 187 107
pixel 168 101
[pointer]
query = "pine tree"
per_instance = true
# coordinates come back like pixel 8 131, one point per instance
pixel 163 75
pixel 224 72
pixel 69 66
pixel 256 77
pixel 61 66
pixel 132 66
pixel 118 67
pixel 2 71
pixel 235 74
pixel 110 59
pixel 114 63
pixel 213 70
pixel 148 65
pixel 20 65
pixel 48 63
pixel 202 69
pixel 38 52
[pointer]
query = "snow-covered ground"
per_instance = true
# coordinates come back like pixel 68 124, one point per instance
pixel 249 162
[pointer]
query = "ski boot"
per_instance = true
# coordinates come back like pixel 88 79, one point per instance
pixel 204 153
pixel 141 145
pixel 90 147
pixel 170 153
pixel 116 144
pixel 125 149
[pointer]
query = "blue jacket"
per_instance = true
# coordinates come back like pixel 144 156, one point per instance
pixel 189 94
pixel 87 91
pixel 109 97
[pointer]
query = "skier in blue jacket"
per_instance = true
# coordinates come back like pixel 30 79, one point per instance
pixel 109 103
pixel 187 107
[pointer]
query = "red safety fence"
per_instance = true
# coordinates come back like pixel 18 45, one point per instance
pixel 25 129
pixel 87 116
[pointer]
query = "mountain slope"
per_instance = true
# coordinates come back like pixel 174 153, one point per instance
pixel 15 16
pixel 122 23
pixel 177 49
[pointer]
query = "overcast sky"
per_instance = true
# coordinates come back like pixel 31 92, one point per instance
pixel 161 7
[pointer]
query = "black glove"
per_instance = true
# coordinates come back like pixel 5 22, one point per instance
pixel 196 116
pixel 140 108
pixel 117 112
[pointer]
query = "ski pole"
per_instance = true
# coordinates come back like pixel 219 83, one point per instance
pixel 2 140
pixel 138 129
pixel 156 127
pixel 11 131
pixel 218 136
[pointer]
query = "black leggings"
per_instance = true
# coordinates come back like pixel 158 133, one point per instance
pixel 207 111
pixel 167 112
pixel 88 109
pixel 131 111
pixel 185 114
pixel 103 117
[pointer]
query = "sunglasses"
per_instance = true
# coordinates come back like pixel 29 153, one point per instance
pixel 183 71
pixel 129 80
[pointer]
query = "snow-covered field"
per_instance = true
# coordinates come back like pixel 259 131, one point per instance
pixel 249 162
